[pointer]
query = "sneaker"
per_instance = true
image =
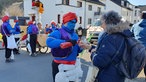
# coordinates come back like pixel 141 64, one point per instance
pixel 8 60
pixel 16 53
pixel 33 54
pixel 30 54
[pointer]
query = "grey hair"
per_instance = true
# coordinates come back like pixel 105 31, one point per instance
pixel 113 22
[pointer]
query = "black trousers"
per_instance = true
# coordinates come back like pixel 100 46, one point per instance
pixel 16 50
pixel 55 69
pixel 33 39
pixel 7 51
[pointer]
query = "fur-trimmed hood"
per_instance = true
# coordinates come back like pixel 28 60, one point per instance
pixel 120 27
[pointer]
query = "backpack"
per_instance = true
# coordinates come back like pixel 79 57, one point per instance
pixel 133 58
pixel 59 52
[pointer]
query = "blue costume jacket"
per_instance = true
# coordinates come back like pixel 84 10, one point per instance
pixel 6 28
pixel 32 29
pixel 17 28
pixel 54 40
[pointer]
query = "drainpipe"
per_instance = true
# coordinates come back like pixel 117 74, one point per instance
pixel 85 15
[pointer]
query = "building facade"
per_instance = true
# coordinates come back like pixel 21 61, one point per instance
pixel 88 11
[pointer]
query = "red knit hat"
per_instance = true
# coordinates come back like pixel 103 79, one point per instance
pixel 68 17
pixel 30 22
pixel 5 18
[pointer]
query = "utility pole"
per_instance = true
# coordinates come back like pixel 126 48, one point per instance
pixel 84 29
pixel 85 15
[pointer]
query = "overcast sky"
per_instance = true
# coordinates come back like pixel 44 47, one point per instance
pixel 137 2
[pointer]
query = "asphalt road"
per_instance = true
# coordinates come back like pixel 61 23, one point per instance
pixel 30 69
pixel 38 69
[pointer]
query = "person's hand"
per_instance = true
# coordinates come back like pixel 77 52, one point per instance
pixel 84 45
pixel 92 49
pixel 72 41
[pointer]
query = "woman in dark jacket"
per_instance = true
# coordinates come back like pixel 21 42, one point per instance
pixel 110 42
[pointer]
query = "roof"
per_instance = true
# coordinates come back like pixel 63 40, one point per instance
pixel 118 2
pixel 95 1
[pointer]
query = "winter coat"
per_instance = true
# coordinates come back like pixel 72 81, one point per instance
pixel 7 29
pixel 17 28
pixel 103 57
pixel 54 40
pixel 32 29
pixel 139 30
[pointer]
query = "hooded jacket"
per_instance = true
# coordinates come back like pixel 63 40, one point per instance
pixel 108 45
pixel 32 29
pixel 17 28
pixel 6 29
pixel 139 30
pixel 54 40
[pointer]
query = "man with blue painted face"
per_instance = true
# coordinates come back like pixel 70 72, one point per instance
pixel 65 34
pixel 7 30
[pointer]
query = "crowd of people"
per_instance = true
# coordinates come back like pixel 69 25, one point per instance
pixel 66 44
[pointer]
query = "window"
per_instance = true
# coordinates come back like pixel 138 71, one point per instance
pixel 134 21
pixel 135 13
pixel 122 3
pixel 90 7
pixel 99 10
pixel 89 20
pixel 79 4
pixel 66 2
pixel 80 18
pixel 58 18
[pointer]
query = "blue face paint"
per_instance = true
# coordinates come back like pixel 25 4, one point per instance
pixel 8 21
pixel 53 25
pixel 71 24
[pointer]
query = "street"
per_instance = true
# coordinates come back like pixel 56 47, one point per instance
pixel 28 69
pixel 37 69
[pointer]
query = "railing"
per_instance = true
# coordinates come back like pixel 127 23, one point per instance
pixel 97 13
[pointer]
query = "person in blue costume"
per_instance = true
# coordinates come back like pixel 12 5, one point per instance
pixel 48 29
pixel 17 35
pixel 53 25
pixel 109 43
pixel 6 30
pixel 32 32
pixel 54 40
pixel 139 30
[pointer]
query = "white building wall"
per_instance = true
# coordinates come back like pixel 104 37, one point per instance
pixel 112 6
pixel 136 17
pixel 54 7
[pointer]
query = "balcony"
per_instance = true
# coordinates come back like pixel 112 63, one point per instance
pixel 97 13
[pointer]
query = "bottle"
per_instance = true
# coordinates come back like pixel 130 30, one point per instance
pixel 65 45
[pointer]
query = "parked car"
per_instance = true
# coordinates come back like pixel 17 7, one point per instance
pixel 93 32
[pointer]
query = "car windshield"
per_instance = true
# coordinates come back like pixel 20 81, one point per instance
pixel 97 23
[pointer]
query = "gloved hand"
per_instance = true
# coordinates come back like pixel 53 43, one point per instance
pixel 72 41
pixel 92 47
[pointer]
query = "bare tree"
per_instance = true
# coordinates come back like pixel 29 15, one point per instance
pixel 13 10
